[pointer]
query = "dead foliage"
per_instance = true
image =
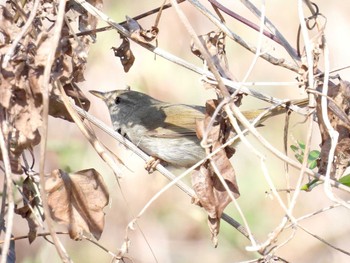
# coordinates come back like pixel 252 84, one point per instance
pixel 125 54
pixel 138 34
pixel 214 44
pixel 338 115
pixel 22 68
pixel 32 207
pixel 212 195
pixel 77 201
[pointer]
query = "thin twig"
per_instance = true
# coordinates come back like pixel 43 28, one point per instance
pixel 291 51
pixel 38 235
pixel 239 40
pixel 280 155
pixel 99 148
pixel 240 134
pixel 273 236
pixel 303 166
pixel 333 134
pixel 259 45
pixel 310 6
pixel 244 20
pixel 324 241
pixel 285 145
pixel 234 201
pixel 307 216
pixel 100 246
pixel 204 52
pixel 313 214
pixel 175 181
pixel 45 87
pixel 285 242
pixel 312 103
pixel 8 172
pixel 138 17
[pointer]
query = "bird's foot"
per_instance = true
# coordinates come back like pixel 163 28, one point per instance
pixel 151 164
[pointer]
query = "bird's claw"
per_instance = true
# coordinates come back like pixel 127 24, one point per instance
pixel 151 164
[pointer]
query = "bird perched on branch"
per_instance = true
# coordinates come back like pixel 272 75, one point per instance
pixel 164 130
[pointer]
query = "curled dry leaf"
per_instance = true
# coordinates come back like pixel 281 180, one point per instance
pixel 87 21
pixel 214 44
pixel 338 108
pixel 139 34
pixel 77 201
pixel 21 77
pixel 32 208
pixel 211 193
pixel 21 103
pixel 338 114
pixel 125 54
pixel 58 109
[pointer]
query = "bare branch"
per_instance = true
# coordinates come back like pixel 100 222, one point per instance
pixel 45 93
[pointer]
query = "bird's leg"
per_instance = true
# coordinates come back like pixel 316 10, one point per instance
pixel 151 164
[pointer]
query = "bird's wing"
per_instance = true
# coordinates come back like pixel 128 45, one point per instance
pixel 179 120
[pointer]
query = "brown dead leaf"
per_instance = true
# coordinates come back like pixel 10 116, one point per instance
pixel 21 108
pixel 139 34
pixel 214 43
pixel 338 115
pixel 21 77
pixel 125 54
pixel 58 109
pixel 23 117
pixel 86 21
pixel 6 25
pixel 31 203
pixel 202 183
pixel 210 191
pixel 77 201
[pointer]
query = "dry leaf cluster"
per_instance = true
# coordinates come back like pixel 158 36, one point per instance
pixel 75 200
pixel 212 194
pixel 340 122
pixel 23 64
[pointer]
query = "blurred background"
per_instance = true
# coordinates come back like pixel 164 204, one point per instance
pixel 174 230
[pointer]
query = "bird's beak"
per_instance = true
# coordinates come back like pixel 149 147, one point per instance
pixel 98 94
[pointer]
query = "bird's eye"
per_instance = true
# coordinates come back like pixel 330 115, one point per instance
pixel 117 100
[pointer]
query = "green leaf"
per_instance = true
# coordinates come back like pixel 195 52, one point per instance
pixel 313 164
pixel 301 145
pixel 345 180
pixel 299 154
pixel 299 157
pixel 314 155
pixel 294 148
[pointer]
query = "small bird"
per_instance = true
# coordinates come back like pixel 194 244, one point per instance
pixel 163 130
